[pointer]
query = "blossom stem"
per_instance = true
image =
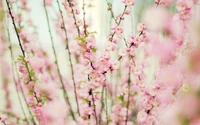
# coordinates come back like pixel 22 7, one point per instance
pixel 120 19
pixel 70 60
pixel 106 103
pixel 20 44
pixel 102 103
pixel 55 55
pixel 95 113
pixel 127 106
pixel 13 75
pixel 84 23
pixel 74 17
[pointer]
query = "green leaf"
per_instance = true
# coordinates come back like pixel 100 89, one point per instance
pixel 94 50
pixel 84 117
pixel 31 92
pixel 21 57
pixel 109 120
pixel 83 42
pixel 32 73
pixel 121 97
pixel 124 104
pixel 24 119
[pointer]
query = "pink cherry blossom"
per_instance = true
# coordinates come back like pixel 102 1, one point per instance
pixel 141 116
pixel 122 52
pixel 129 2
pixel 115 64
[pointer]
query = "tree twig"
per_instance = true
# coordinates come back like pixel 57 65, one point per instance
pixel 20 44
pixel 13 75
pixel 127 106
pixel 74 17
pixel 70 60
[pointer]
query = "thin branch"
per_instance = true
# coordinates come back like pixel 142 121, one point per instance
pixel 106 103
pixel 127 106
pixel 13 75
pixel 84 23
pixel 110 9
pixel 20 44
pixel 120 19
pixel 24 97
pixel 74 17
pixel 19 41
pixel 54 52
pixel 13 21
pixel 91 94
pixel 70 60
pixel 95 112
pixel 102 104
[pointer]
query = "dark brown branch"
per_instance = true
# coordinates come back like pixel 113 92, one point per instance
pixel 20 44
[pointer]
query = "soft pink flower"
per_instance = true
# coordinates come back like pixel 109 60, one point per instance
pixel 122 52
pixel 195 1
pixel 183 4
pixel 48 2
pixel 54 113
pixel 127 12
pixel 105 55
pixel 115 64
pixel 129 2
pixel 3 118
pixel 109 46
pixel 138 70
pixel 141 27
pixel 141 116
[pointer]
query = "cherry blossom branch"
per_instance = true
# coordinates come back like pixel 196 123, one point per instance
pixel 55 55
pixel 110 9
pixel 102 103
pixel 54 52
pixel 127 106
pixel 70 60
pixel 74 17
pixel 91 94
pixel 20 44
pixel 24 97
pixel 106 104
pixel 13 75
pixel 12 17
pixel 118 23
pixel 95 112
pixel 129 47
pixel 84 23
